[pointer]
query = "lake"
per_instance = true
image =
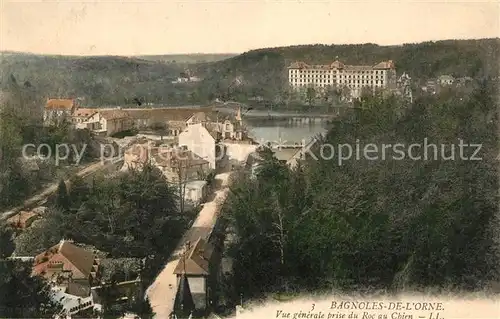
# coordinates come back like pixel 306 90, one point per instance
pixel 289 133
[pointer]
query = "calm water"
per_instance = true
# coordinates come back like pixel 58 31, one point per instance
pixel 274 130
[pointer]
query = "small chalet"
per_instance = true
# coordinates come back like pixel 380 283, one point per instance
pixel 193 271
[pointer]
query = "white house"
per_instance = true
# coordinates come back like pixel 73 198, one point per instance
pixel 445 80
pixel 195 192
pixel 200 141
pixel 58 109
pixel 72 304
pixel 109 122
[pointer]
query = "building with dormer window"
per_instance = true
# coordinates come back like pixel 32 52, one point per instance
pixel 337 74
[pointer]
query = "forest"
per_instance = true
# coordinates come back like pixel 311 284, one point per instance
pixel 110 80
pixel 375 225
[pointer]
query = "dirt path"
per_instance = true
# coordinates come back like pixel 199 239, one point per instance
pixel 52 188
pixel 162 292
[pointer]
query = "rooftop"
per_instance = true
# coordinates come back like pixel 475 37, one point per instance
pixel 339 65
pixel 285 154
pixel 114 114
pixel 73 258
pixel 65 104
pixel 196 260
pixel 166 114
pixel 22 219
pixel 177 157
pixel 84 112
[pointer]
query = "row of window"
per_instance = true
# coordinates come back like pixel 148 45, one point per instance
pixel 297 71
pixel 372 82
pixel 342 76
pixel 351 86
pixel 79 307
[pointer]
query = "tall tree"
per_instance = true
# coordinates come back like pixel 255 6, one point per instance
pixel 24 296
pixel 6 244
pixel 62 197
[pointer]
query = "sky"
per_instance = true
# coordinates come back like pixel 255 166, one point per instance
pixel 112 27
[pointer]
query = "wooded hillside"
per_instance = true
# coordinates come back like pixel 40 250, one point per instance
pixel 111 80
pixel 377 223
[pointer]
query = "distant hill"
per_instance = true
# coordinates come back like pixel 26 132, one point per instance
pixel 101 80
pixel 114 80
pixel 187 58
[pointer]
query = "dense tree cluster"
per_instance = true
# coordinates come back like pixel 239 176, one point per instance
pixel 388 223
pixel 132 215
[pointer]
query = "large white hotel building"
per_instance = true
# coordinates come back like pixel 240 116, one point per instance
pixel 337 74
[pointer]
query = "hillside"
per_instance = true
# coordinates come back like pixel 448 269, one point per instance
pixel 113 80
pixel 264 70
pixel 100 80
pixel 187 58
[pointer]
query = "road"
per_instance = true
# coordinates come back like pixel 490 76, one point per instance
pixel 162 292
pixel 52 188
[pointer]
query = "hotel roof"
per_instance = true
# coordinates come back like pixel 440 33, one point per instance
pixel 339 65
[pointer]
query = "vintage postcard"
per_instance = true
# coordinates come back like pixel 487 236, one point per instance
pixel 249 159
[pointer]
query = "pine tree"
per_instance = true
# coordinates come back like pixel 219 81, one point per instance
pixel 62 199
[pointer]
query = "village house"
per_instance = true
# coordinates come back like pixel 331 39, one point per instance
pixel 229 127
pixel 180 164
pixel 195 192
pixel 193 273
pixel 445 80
pixel 22 220
pixel 72 271
pixel 430 86
pixel 185 77
pixel 290 156
pixel 57 110
pixel 186 171
pixel 136 156
pixel 464 81
pixel 201 142
pixel 80 116
pixel 175 119
pixel 109 122
pixel 181 167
